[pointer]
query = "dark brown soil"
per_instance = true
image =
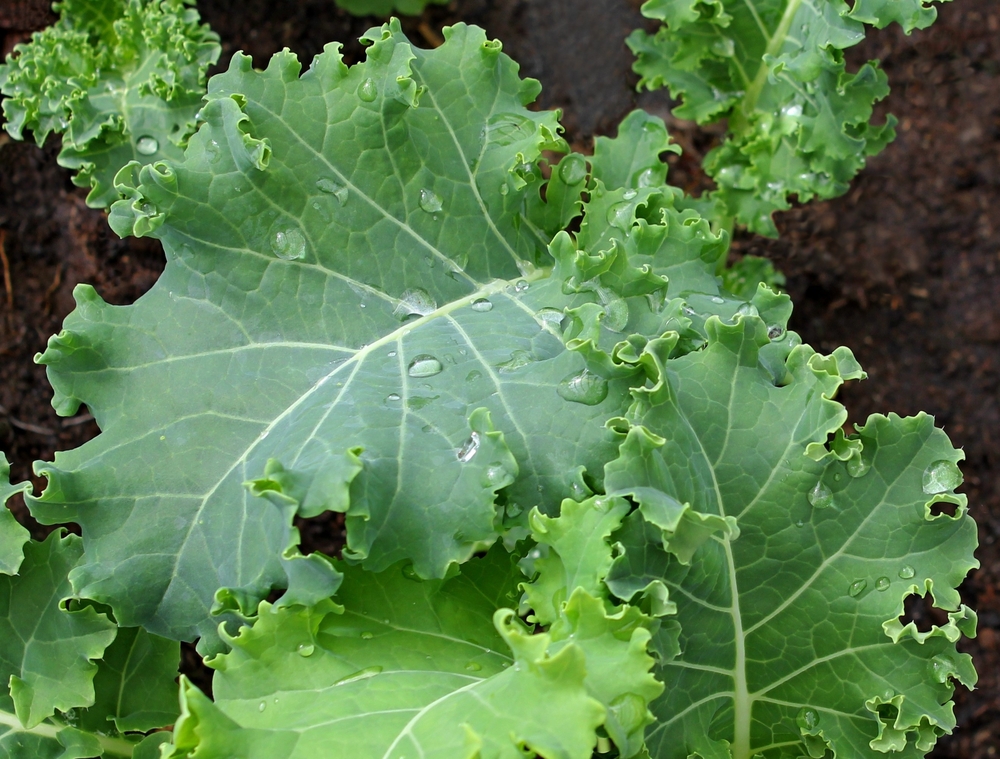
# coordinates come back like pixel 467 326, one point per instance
pixel 905 269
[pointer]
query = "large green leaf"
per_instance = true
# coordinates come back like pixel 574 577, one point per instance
pixel 357 314
pixel 800 123
pixel 788 612
pixel 405 668
pixel 122 80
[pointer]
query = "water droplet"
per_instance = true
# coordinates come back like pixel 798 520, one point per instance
pixel 414 302
pixel 513 510
pixel 361 674
pixel 473 375
pixel 688 311
pixel 521 285
pixel 907 572
pixel 800 523
pixel 430 202
pixel 882 584
pixel 318 208
pixel 504 189
pixel 857 588
pixel 368 90
pixel 507 128
pixel 262 706
pixel 289 244
pixel 629 710
pixel 620 216
pixel 410 573
pixel 213 151
pixel 306 649
pixel 366 635
pixel 646 178
pixel 857 466
pixel 482 305
pixel 775 332
pixel 792 111
pixel 497 475
pixel 820 496
pixel 629 194
pixel 717 300
pixel 573 169
pixel 807 718
pixel 146 145
pixel 586 388
pixel 328 186
pixel 941 668
pixel 392 397
pixel 518 360
pixel 941 476
pixel 746 310
pixel 837 477
pixel 553 316
pixel 469 448
pixel 473 666
pixel 424 365
pixel 391 354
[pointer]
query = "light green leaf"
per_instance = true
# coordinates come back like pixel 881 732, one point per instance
pixel 135 684
pixel 800 123
pixel 385 7
pixel 54 739
pixel 12 535
pixel 789 634
pixel 47 651
pixel 405 668
pixel 352 282
pixel 122 80
pixel 909 14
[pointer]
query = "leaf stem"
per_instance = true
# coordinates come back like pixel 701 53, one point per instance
pixel 51 729
pixel 741 117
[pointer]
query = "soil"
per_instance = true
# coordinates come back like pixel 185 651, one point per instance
pixel 905 269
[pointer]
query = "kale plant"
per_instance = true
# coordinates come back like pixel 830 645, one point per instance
pixel 596 496
pixel 799 123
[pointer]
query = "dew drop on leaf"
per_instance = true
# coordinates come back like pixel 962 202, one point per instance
pixel 629 194
pixel 262 706
pixel 392 398
pixel 857 588
pixel 551 316
pixel 424 365
pixel 645 178
pixel 513 509
pixel 482 305
pixel 747 310
pixel 213 151
pixel 361 674
pixel 586 388
pixel 430 201
pixel 368 90
pixel 497 476
pixel 807 718
pixel 573 169
pixel 820 496
pixel 907 572
pixel 521 285
pixel 508 128
pixel 857 466
pixel 882 584
pixel 469 448
pixel 775 332
pixel 940 477
pixel 518 360
pixel 473 375
pixel 410 573
pixel 146 145
pixel 414 302
pixel 504 189
pixel 327 185
pixel 717 300
pixel 289 244
pixel 305 649
pixel 620 216
pixel 473 666
pixel 366 635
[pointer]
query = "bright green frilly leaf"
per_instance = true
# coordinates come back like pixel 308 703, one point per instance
pixel 120 80
pixel 789 633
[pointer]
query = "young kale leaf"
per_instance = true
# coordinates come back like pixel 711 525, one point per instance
pixel 799 121
pixel 121 81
